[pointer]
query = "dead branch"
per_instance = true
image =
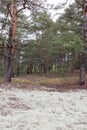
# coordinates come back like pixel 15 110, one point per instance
pixel 24 7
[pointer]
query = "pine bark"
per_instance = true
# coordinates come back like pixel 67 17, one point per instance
pixel 9 60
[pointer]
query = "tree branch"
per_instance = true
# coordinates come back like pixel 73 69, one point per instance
pixel 9 9
pixel 24 6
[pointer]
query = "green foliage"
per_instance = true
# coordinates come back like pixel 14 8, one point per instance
pixel 62 70
pixel 59 70
pixel 39 38
pixel 2 70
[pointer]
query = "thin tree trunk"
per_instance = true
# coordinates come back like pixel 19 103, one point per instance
pixel 82 72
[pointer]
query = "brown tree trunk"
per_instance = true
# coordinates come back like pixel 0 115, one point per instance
pixel 83 60
pixel 11 42
pixel 9 58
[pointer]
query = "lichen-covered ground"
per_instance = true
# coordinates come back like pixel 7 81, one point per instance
pixel 22 109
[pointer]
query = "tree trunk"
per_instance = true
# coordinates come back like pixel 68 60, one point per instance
pixel 83 60
pixel 11 42
pixel 9 68
pixel 82 72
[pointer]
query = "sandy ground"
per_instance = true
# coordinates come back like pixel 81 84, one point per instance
pixel 42 110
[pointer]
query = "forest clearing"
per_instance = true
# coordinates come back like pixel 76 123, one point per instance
pixel 39 102
pixel 22 109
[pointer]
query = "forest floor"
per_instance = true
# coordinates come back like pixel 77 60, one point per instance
pixel 40 102
pixel 49 82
